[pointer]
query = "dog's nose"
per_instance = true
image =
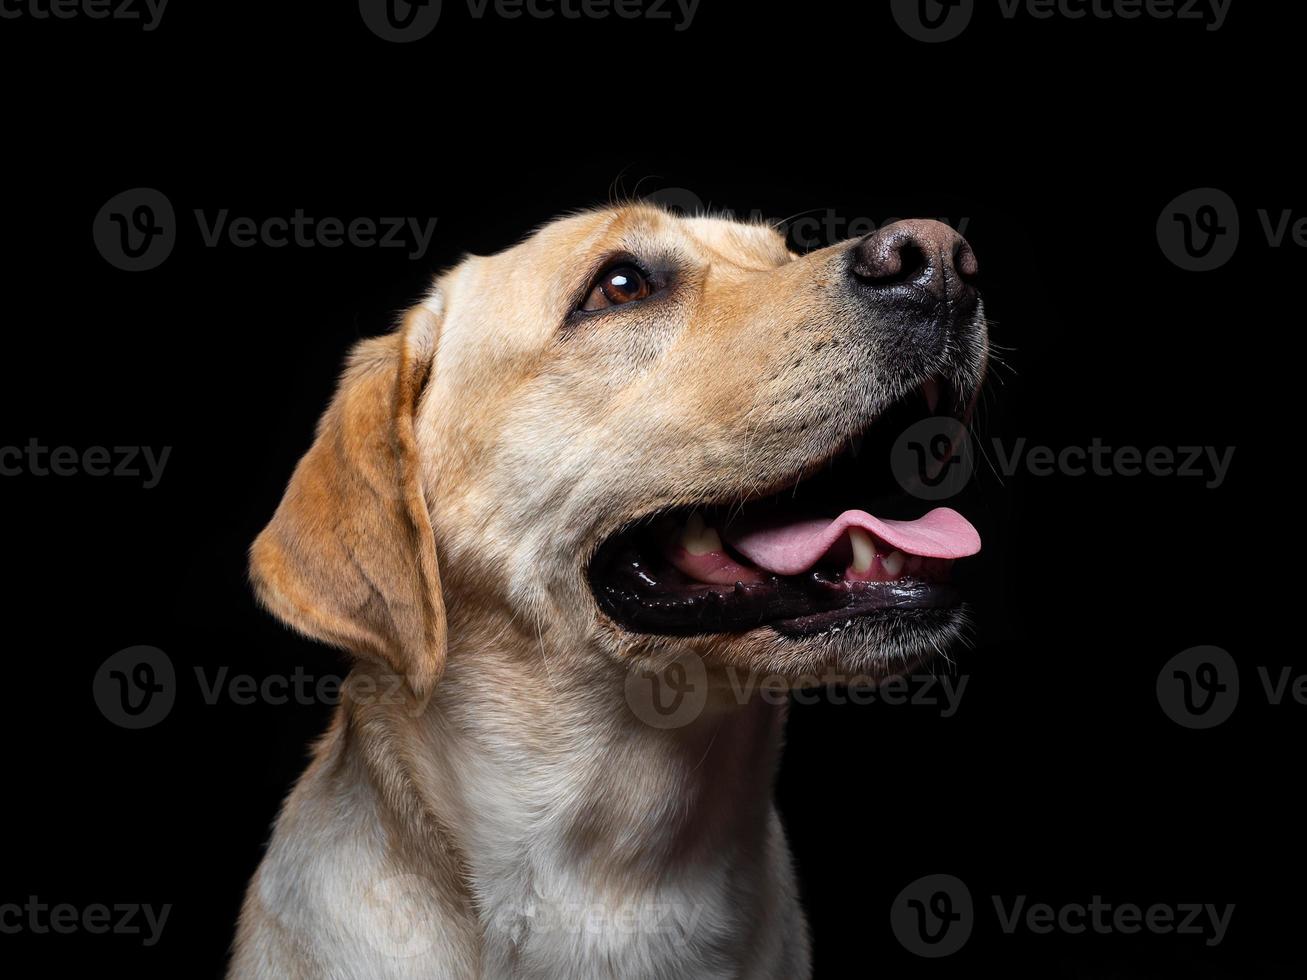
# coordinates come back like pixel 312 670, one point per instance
pixel 927 258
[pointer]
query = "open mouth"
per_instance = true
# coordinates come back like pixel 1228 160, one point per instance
pixel 842 543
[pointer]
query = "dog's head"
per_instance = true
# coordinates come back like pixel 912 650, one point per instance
pixel 635 432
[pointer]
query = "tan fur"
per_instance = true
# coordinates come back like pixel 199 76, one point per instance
pixel 349 557
pixel 485 782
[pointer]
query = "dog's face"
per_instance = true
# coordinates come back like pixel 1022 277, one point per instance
pixel 639 432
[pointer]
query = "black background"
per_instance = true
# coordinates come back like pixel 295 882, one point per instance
pixel 1059 142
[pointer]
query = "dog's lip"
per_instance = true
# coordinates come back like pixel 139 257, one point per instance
pixel 882 598
pixel 637 600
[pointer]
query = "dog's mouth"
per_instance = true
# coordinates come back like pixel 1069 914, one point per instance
pixel 835 544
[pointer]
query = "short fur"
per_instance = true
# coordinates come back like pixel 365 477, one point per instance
pixel 486 803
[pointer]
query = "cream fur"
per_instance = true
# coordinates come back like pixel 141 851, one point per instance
pixel 487 804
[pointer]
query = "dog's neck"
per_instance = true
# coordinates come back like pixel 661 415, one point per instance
pixel 568 811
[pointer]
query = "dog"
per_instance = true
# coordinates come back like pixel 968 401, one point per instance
pixel 635 449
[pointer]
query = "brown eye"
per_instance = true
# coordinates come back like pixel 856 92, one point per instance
pixel 620 284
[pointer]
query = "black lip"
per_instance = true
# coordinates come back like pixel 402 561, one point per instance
pixel 918 599
pixel 643 601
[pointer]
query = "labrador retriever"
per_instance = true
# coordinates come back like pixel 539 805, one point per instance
pixel 587 485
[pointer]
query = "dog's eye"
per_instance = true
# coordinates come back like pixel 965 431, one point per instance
pixel 621 284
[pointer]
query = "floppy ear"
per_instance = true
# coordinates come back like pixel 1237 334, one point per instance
pixel 349 557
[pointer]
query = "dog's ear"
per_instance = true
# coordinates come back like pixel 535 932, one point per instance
pixel 349 557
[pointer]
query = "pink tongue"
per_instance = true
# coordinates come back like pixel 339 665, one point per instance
pixel 788 549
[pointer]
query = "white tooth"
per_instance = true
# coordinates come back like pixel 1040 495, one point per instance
pixel 931 390
pixel 864 549
pixel 698 539
pixel 893 563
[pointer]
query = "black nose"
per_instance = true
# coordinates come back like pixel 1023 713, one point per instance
pixel 918 262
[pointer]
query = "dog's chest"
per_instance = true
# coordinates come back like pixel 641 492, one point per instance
pixel 663 874
pixel 543 924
